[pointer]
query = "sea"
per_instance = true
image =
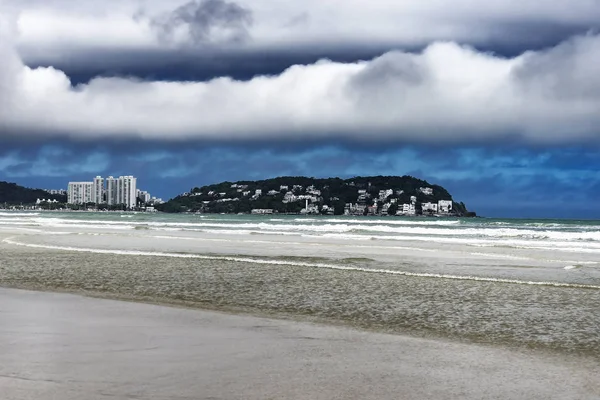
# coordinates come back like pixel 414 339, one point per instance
pixel 577 235
pixel 522 282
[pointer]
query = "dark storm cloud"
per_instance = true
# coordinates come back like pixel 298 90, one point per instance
pixel 187 65
pixel 201 19
pixel 183 64
pixel 511 38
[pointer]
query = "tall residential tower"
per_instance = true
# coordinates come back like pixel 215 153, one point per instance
pixel 127 191
pixel 98 190
pixel 111 191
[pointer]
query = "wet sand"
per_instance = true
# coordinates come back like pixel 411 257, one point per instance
pixel 61 346
pixel 542 317
pixel 545 318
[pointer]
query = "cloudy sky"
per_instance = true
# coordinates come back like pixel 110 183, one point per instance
pixel 497 101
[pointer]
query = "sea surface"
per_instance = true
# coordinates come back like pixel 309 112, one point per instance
pixel 568 235
pixel 524 282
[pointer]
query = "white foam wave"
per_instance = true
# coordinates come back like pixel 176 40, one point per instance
pixel 524 244
pixel 18 213
pixel 389 221
pixel 398 230
pixel 18 222
pixel 478 237
pixel 304 264
pixel 419 229
pixel 496 255
pixel 19 228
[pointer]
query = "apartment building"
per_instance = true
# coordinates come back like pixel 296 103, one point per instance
pixel 80 192
pixel 127 191
pixel 98 190
pixel 111 191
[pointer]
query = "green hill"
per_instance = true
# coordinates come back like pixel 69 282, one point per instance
pixel 13 194
pixel 287 194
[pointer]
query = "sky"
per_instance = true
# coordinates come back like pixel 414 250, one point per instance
pixel 499 102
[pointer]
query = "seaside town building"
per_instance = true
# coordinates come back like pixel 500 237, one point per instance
pixel 143 196
pixel 56 191
pixel 110 191
pixel 429 207
pixel 407 209
pixel 80 192
pixel 98 190
pixel 262 211
pixel 126 191
pixel 49 201
pixel 445 206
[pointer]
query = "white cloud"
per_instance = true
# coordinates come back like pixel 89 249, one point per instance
pixel 446 93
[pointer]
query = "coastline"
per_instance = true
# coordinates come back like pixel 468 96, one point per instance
pixel 295 214
pixel 285 317
pixel 357 299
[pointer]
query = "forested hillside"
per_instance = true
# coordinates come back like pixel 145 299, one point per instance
pixel 289 194
pixel 11 193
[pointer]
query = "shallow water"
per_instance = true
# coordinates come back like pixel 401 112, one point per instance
pixel 545 317
pixel 448 282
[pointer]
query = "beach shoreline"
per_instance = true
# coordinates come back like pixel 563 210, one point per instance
pixel 323 296
pixel 152 351
pixel 478 336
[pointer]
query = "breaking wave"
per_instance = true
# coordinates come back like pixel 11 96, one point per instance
pixel 305 264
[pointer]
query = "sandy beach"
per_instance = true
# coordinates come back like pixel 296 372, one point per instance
pixel 59 346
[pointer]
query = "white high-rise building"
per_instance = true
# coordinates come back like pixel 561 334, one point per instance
pixel 98 190
pixel 80 192
pixel 118 191
pixel 127 191
pixel 111 191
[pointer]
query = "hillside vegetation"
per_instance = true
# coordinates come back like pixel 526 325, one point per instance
pixel 13 194
pixel 328 194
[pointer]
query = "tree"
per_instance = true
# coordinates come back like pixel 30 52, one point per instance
pixel 393 209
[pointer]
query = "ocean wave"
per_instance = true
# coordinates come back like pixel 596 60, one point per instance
pixel 19 223
pixel 305 264
pixel 18 213
pixel 410 222
pixel 402 230
pixel 517 244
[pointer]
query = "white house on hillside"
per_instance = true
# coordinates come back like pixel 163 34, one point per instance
pixel 445 206
pixel 429 207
